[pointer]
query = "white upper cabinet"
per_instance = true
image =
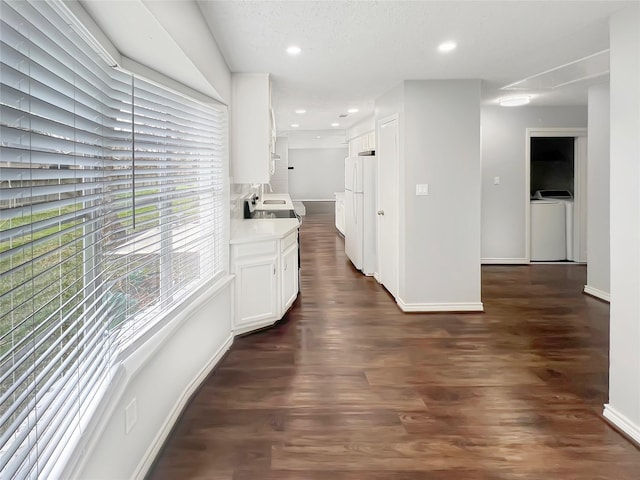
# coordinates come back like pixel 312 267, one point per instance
pixel 362 143
pixel 252 128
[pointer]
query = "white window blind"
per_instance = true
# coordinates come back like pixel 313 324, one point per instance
pixel 113 210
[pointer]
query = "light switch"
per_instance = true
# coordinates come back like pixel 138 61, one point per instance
pixel 496 180
pixel 422 189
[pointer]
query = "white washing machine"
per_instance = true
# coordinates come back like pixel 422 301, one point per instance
pixel 565 197
pixel 548 231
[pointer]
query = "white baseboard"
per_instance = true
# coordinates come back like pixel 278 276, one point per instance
pixel 376 275
pixel 440 307
pixel 504 261
pixel 594 292
pixel 622 422
pixel 154 449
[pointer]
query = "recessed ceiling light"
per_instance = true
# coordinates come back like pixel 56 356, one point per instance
pixel 353 110
pixel 335 124
pixel 515 101
pixel 445 47
pixel 294 50
pixel 301 110
pixel 295 125
pixel 318 136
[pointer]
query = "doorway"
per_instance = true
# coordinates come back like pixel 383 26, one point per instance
pixel 555 203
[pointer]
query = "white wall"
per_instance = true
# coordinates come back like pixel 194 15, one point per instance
pixel 315 138
pixel 362 127
pixel 598 192
pixel 389 103
pixel 280 178
pixel 163 373
pixel 186 25
pixel 172 38
pixel 161 378
pixel 624 358
pixel 503 155
pixel 317 173
pixel 442 230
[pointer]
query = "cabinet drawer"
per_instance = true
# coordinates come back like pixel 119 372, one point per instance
pixel 289 240
pixel 257 248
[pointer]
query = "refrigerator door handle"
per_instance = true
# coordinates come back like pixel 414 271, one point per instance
pixel 355 177
pixel 355 209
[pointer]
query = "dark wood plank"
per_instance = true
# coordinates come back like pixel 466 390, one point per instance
pixel 347 387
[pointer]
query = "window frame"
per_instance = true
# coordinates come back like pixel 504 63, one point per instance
pixel 119 352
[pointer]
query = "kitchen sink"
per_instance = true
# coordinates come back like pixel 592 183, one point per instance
pixel 274 202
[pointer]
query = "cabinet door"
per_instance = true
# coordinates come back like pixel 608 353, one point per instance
pixel 251 128
pixel 289 265
pixel 256 292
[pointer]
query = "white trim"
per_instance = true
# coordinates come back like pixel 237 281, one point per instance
pixel 504 261
pixel 595 292
pixel 182 312
pixel 124 370
pixel 84 25
pixel 579 173
pixel 622 422
pixel 376 275
pixel 156 445
pixel 440 307
pixel 132 67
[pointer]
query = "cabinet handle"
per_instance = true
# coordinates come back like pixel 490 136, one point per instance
pixel 285 267
pixel 274 269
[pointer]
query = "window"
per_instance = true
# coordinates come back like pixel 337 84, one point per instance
pixel 113 210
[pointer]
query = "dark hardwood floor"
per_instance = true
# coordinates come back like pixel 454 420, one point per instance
pixel 349 388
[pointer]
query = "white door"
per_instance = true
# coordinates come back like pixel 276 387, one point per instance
pixel 388 200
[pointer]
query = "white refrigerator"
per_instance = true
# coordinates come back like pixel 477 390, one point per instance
pixel 360 212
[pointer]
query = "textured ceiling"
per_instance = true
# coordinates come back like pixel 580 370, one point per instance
pixel 353 51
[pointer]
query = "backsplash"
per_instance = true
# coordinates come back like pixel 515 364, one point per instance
pixel 239 192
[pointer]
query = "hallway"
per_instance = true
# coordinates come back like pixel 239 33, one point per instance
pixel 347 387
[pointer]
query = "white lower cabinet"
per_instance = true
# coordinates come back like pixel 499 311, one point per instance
pixel 289 272
pixel 256 292
pixel 266 281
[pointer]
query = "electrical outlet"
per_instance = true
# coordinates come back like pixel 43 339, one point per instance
pixel 130 415
pixel 422 189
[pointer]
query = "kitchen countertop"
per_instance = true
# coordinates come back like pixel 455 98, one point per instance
pixel 255 230
pixel 258 229
pixel 288 205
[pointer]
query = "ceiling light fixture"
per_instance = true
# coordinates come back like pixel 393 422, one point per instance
pixel 295 125
pixel 335 124
pixel 301 110
pixel 318 136
pixel 294 50
pixel 514 101
pixel 353 110
pixel 446 47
